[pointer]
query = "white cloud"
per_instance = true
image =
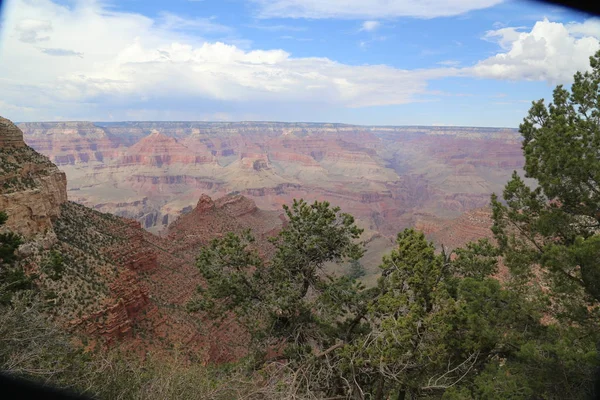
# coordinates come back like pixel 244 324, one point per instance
pixel 33 30
pixel 91 63
pixel 505 37
pixel 363 44
pixel 360 9
pixel 127 61
pixel 590 27
pixel 370 26
pixel 551 51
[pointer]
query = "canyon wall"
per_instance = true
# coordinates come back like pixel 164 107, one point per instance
pixel 32 189
pixel 388 177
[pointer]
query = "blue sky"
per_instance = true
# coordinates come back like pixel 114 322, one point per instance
pixel 383 62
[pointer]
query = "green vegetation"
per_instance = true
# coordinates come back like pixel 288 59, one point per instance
pixel 439 325
pixel 289 301
pixel 356 270
pixel 549 235
pixel 12 277
pixel 32 347
pixel 432 327
pixel 54 265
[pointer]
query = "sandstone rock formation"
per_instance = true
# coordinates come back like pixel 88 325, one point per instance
pixel 211 219
pixel 136 284
pixel 129 287
pixel 469 227
pixel 31 187
pixel 10 135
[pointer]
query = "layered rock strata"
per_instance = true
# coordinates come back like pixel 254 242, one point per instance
pixel 32 189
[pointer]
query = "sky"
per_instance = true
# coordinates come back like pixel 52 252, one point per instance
pixel 377 62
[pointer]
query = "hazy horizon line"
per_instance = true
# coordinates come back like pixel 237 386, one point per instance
pixel 270 122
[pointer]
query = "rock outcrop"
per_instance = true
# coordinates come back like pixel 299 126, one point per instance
pixel 136 255
pixel 116 321
pixel 118 283
pixel 209 219
pixel 122 282
pixel 10 135
pixel 469 227
pixel 32 189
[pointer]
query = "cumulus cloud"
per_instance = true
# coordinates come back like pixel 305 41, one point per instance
pixel 505 37
pixel 360 9
pixel 590 27
pixel 132 62
pixel 90 62
pixel 550 51
pixel 370 26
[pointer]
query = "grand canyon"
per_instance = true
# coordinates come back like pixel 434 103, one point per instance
pixel 134 202
pixel 388 177
pixel 299 200
pixel 145 197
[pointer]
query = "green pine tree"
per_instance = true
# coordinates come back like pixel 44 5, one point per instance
pixel 437 322
pixel 12 276
pixel 356 270
pixel 289 301
pixel 548 235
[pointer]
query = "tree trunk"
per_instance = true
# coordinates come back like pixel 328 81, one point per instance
pixel 401 394
pixel 379 393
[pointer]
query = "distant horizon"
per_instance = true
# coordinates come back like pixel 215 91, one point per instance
pixel 270 122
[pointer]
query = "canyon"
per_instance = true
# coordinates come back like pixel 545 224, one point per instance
pixel 388 177
pixel 149 195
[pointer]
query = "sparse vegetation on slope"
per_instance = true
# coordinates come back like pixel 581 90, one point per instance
pixel 11 163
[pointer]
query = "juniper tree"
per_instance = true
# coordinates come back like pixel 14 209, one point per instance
pixel 356 270
pixel 12 276
pixel 436 322
pixel 548 235
pixel 288 302
pixel 430 327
